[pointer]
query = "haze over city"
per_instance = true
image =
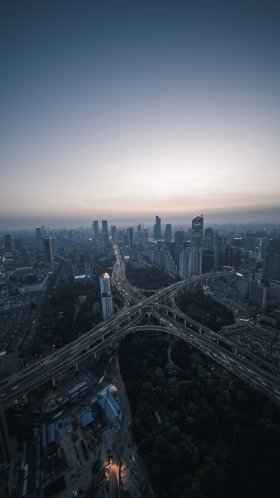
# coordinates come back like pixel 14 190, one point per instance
pixel 140 249
pixel 122 110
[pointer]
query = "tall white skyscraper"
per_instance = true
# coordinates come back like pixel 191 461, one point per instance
pixel 106 296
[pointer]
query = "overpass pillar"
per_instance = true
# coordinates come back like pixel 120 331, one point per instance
pixel 217 340
pixel 185 323
pixel 76 367
pixel 53 382
pixel 199 330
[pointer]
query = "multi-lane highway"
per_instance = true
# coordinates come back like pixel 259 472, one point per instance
pixel 251 370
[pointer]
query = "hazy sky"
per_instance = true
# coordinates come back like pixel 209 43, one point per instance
pixel 129 109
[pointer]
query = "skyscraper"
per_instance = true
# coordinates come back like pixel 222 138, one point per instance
pixel 139 233
pixel 105 228
pixel 145 236
pixel 106 296
pixel 48 249
pixel 197 231
pixel 157 229
pixel 168 233
pixel 114 233
pixel 39 238
pixel 95 229
pixel 272 260
pixel 105 233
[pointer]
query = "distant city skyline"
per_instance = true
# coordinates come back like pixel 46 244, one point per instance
pixel 269 217
pixel 127 110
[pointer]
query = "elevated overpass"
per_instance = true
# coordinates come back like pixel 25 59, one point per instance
pixel 170 319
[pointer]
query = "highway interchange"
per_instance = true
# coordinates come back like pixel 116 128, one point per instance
pixel 240 362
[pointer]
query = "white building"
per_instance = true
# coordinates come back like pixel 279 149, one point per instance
pixel 106 296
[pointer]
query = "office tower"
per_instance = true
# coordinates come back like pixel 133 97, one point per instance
pixel 197 231
pixel 4 439
pixel 139 233
pixel 8 242
pixel 48 249
pixel 145 236
pixel 39 238
pixel 106 296
pixel 168 233
pixel 129 237
pixel 209 239
pixel 95 228
pixel 157 229
pixel 105 228
pixel 114 233
pixel 185 263
pixel 272 260
pixel 105 233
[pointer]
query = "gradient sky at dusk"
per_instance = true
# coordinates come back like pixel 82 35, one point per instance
pixel 125 110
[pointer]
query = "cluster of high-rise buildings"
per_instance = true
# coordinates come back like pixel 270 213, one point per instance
pixel 199 249
pixel 127 236
pixel 180 255
pixel 180 251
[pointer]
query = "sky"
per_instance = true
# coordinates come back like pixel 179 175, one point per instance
pixel 124 110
